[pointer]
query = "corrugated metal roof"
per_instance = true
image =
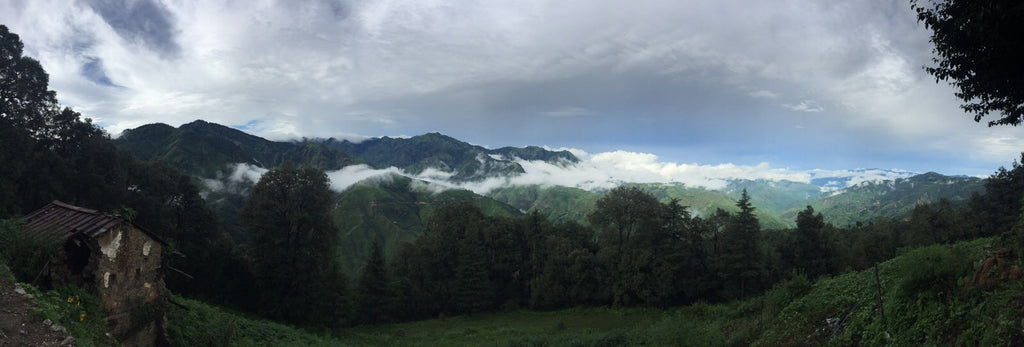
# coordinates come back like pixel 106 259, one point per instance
pixel 59 221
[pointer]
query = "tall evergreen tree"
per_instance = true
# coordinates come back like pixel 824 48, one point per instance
pixel 473 290
pixel 741 264
pixel 372 293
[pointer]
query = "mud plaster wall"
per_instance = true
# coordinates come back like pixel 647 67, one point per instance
pixel 128 280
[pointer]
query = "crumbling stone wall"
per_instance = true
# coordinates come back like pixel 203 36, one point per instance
pixel 130 284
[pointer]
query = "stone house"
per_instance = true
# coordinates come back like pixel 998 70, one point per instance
pixel 115 259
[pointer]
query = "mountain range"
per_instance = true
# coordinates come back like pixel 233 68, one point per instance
pixel 397 182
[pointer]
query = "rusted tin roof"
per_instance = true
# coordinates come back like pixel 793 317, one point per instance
pixel 59 221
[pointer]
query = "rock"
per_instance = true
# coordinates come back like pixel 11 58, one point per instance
pixel 69 341
pixel 18 289
pixel 59 328
pixel 47 322
pixel 22 331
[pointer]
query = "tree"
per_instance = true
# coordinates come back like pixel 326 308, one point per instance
pixel 371 292
pixel 629 221
pixel 294 244
pixel 473 290
pixel 977 43
pixel 741 264
pixel 812 251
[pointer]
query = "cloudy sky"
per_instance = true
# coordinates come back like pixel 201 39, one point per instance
pixel 775 86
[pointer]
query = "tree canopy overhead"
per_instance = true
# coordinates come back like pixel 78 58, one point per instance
pixel 978 48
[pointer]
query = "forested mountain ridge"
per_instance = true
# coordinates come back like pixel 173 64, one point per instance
pixel 465 162
pixel 893 198
pixel 203 149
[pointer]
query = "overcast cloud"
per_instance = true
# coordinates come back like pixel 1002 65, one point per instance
pixel 796 85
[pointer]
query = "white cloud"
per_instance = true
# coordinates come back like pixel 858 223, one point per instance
pixel 805 106
pixel 322 68
pixel 239 178
pixel 607 170
pixel 350 175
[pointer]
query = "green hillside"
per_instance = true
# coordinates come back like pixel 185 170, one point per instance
pixel 392 212
pixel 774 197
pixel 562 204
pixel 559 204
pixel 892 199
pixel 704 202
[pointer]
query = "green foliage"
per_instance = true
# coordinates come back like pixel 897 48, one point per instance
pixel 295 247
pixel 77 311
pixel 741 263
pixel 997 210
pixel 207 325
pixel 977 52
pixel 935 269
pixel 25 255
pixel 372 297
pixel 394 211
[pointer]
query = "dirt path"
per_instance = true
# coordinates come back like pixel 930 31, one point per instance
pixel 20 327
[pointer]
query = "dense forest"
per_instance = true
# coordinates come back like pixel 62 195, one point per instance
pixel 634 251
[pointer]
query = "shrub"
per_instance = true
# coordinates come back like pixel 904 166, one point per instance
pixel 933 269
pixel 25 256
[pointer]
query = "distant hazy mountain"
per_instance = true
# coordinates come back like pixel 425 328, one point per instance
pixel 559 204
pixel 203 149
pixel 837 180
pixel 462 161
pixel 892 198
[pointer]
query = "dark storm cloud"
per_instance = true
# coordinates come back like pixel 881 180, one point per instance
pixel 141 21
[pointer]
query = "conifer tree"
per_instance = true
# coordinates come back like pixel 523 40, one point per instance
pixel 741 265
pixel 372 292
pixel 473 291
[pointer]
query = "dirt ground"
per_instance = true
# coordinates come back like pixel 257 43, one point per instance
pixel 19 326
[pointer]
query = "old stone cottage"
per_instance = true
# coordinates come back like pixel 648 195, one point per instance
pixel 117 260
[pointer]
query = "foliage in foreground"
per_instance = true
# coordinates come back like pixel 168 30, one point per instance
pixel 72 308
pixel 206 325
pixel 928 299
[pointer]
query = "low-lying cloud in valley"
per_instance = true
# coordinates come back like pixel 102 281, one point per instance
pixel 594 172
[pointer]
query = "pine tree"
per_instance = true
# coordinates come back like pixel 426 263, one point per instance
pixel 372 292
pixel 741 265
pixel 473 291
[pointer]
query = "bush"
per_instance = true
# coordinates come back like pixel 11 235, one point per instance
pixel 935 269
pixel 25 256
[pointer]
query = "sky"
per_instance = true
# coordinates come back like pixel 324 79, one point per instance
pixel 742 88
